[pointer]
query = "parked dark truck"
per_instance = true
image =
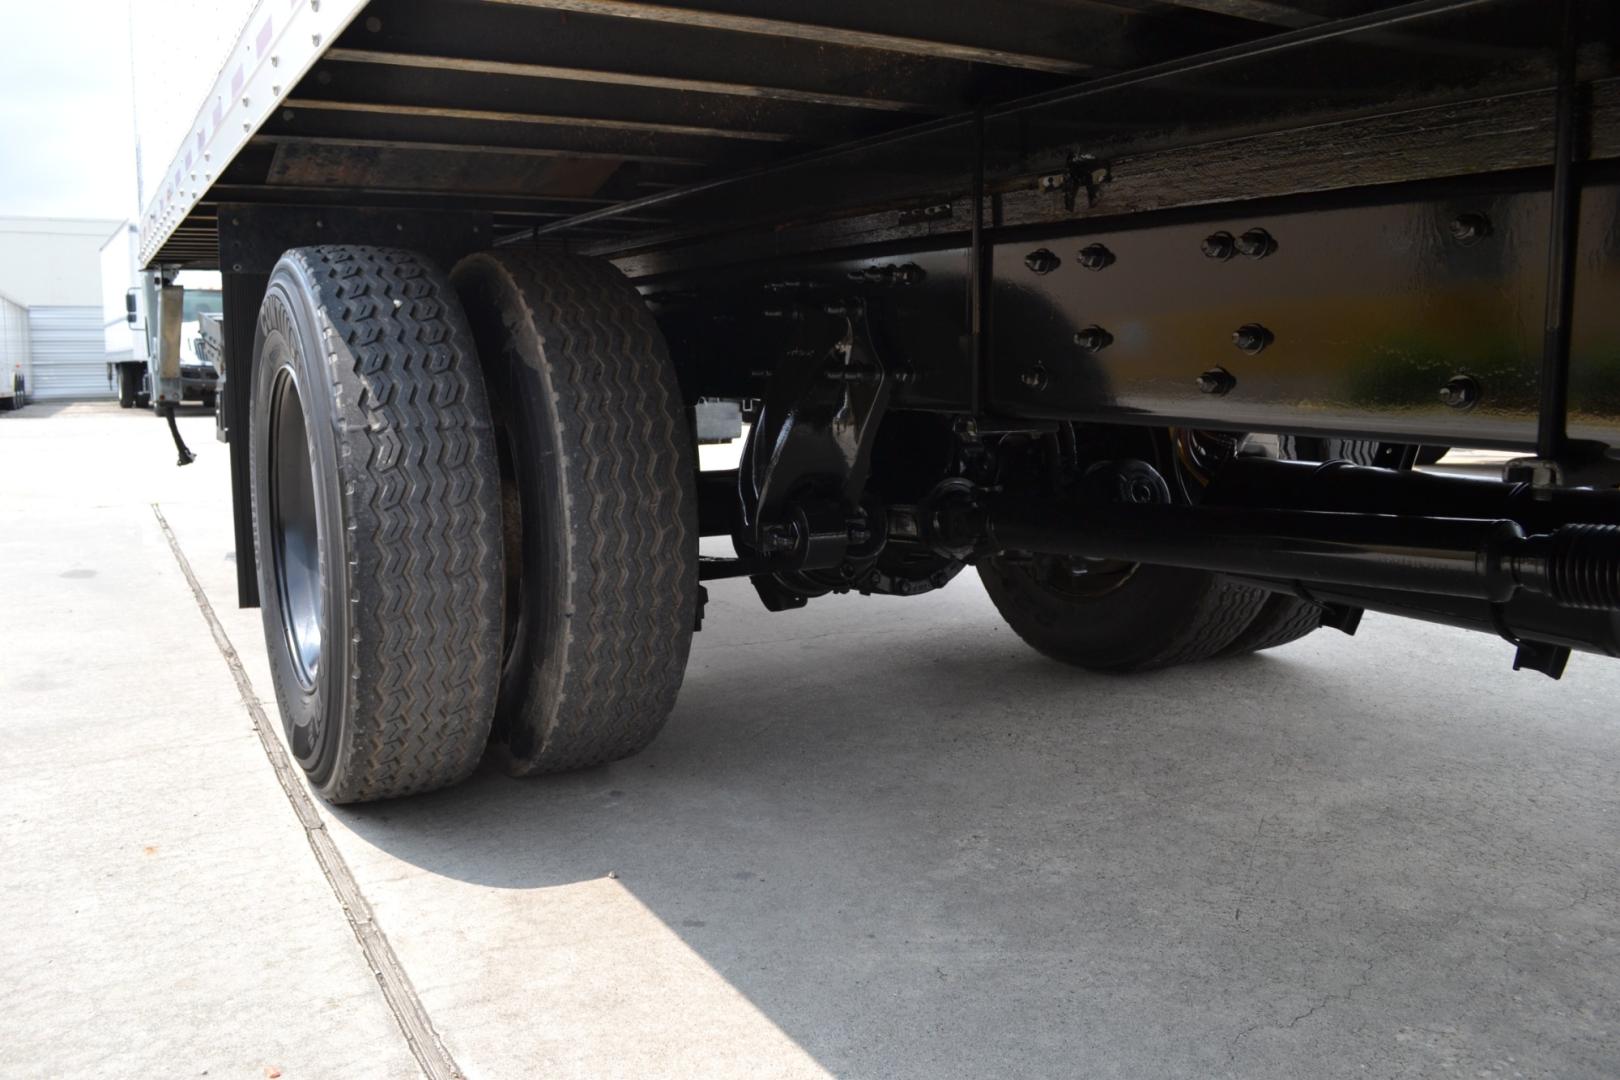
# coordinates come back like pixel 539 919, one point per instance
pixel 1006 286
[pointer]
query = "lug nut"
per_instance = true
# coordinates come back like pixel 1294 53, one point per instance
pixel 1093 339
pixel 1034 378
pixel 1096 257
pixel 1469 228
pixel 1219 246
pixel 1256 244
pixel 1216 381
pixel 1042 261
pixel 1252 338
pixel 1459 392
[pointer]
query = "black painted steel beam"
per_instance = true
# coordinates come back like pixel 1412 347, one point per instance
pixel 382 108
pixel 352 143
pixel 1044 107
pixel 682 84
pixel 816 32
pixel 1563 239
pixel 1270 12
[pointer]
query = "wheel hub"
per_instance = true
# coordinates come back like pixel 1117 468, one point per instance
pixel 293 530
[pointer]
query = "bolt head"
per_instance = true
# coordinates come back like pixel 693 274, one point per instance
pixel 778 540
pixel 1034 378
pixel 1459 392
pixel 1042 261
pixel 1256 244
pixel 1469 228
pixel 1096 257
pixel 1219 246
pixel 1093 339
pixel 1216 381
pixel 1252 338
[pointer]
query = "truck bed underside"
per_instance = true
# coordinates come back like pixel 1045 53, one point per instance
pixel 1336 218
pixel 997 284
pixel 591 119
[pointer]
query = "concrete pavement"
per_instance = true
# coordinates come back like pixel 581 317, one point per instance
pixel 163 914
pixel 879 838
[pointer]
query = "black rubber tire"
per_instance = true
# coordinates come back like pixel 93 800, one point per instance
pixel 1357 451
pixel 1284 619
pixel 601 473
pixel 1156 617
pixel 405 496
pixel 1313 448
pixel 1281 620
pixel 129 385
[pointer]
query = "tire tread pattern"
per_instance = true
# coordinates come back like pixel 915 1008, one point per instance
pixel 1209 613
pixel 1310 448
pixel 420 488
pixel 626 465
pixel 1282 620
pixel 1226 611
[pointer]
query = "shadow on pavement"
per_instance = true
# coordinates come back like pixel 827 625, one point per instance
pixel 923 850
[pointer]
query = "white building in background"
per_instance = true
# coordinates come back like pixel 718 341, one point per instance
pixel 52 268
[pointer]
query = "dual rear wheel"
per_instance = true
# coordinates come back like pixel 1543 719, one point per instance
pixel 1118 616
pixel 1148 617
pixel 472 516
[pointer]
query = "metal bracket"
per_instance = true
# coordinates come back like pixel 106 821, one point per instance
pixel 702 606
pixel 253 238
pixel 1540 473
pixel 1540 656
pixel 1583 463
pixel 1343 618
pixel 1082 172
pixel 809 453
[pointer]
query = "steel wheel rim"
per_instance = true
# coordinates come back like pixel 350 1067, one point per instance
pixel 294 531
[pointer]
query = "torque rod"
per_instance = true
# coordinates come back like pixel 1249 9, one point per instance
pixel 1575 565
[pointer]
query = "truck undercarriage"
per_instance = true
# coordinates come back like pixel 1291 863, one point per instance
pixel 1006 286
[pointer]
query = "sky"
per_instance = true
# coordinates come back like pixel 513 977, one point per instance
pixel 67 143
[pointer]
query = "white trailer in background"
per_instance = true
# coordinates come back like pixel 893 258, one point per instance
pixel 125 346
pixel 14 354
pixel 151 327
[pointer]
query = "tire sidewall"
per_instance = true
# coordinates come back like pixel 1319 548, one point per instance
pixel 1157 615
pixel 1119 629
pixel 288 341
